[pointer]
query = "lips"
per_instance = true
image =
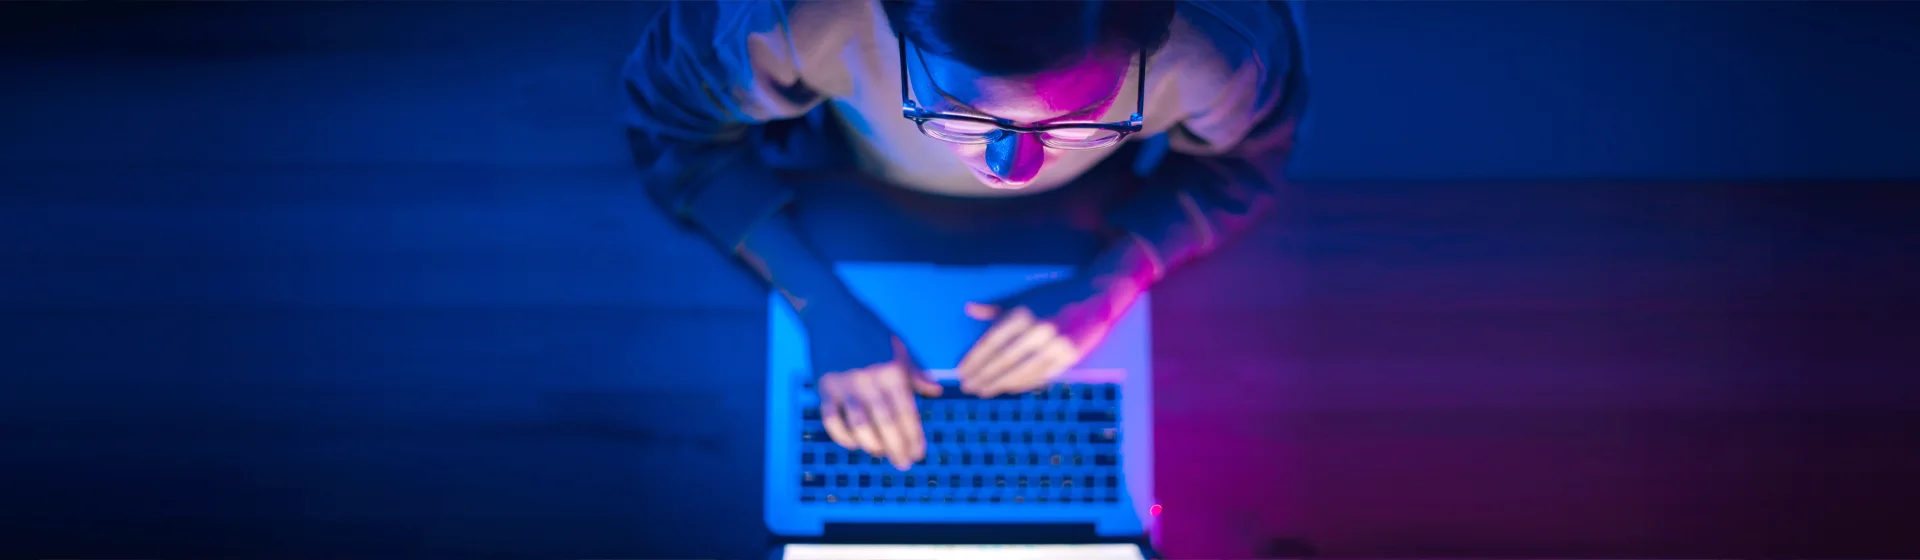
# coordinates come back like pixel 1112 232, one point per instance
pixel 998 183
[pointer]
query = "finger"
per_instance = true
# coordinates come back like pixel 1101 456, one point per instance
pixel 874 390
pixel 925 385
pixel 982 311
pixel 1037 370
pixel 910 427
pixel 861 426
pixel 1009 326
pixel 1033 342
pixel 918 379
pixel 831 417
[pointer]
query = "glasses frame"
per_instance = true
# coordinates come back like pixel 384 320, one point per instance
pixel 921 115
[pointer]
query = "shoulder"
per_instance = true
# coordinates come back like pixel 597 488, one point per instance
pixel 1219 40
pixel 1236 68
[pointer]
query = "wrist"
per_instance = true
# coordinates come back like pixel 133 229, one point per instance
pixel 1130 266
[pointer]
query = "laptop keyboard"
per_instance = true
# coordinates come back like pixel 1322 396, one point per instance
pixel 1052 446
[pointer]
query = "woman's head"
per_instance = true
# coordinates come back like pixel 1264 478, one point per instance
pixel 1032 63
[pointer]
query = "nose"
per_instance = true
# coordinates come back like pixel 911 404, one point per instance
pixel 1016 159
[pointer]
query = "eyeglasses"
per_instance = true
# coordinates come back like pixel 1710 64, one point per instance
pixel 970 129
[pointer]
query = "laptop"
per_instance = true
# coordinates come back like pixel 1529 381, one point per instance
pixel 1064 472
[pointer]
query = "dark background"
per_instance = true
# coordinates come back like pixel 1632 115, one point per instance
pixel 1621 279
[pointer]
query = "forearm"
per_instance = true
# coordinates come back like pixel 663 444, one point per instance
pixel 1190 207
pixel 779 254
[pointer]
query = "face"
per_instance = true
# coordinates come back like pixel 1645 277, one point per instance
pixel 1079 92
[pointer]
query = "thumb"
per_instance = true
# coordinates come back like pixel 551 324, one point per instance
pixel 924 384
pixel 982 311
pixel 917 377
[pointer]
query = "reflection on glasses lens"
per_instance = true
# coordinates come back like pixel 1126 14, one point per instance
pixel 969 132
pixel 1079 138
pixel 964 132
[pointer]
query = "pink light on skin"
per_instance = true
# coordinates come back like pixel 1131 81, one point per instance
pixel 1082 91
pixel 1154 511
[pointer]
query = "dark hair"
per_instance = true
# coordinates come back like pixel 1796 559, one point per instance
pixel 1015 37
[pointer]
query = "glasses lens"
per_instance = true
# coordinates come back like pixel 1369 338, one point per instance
pixel 1080 138
pixel 958 131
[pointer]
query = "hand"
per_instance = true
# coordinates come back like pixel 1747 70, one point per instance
pixel 872 409
pixel 1041 332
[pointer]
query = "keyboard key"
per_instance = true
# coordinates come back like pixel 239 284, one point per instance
pixel 1113 481
pixel 1097 416
pixel 1105 460
pixel 831 458
pixel 810 414
pixel 840 480
pixel 866 480
pixel 1103 436
pixel 815 436
pixel 807 458
pixel 811 480
pixel 1112 392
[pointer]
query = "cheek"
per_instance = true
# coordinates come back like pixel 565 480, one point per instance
pixel 970 153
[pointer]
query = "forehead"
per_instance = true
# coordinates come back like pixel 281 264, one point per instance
pixel 1086 84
